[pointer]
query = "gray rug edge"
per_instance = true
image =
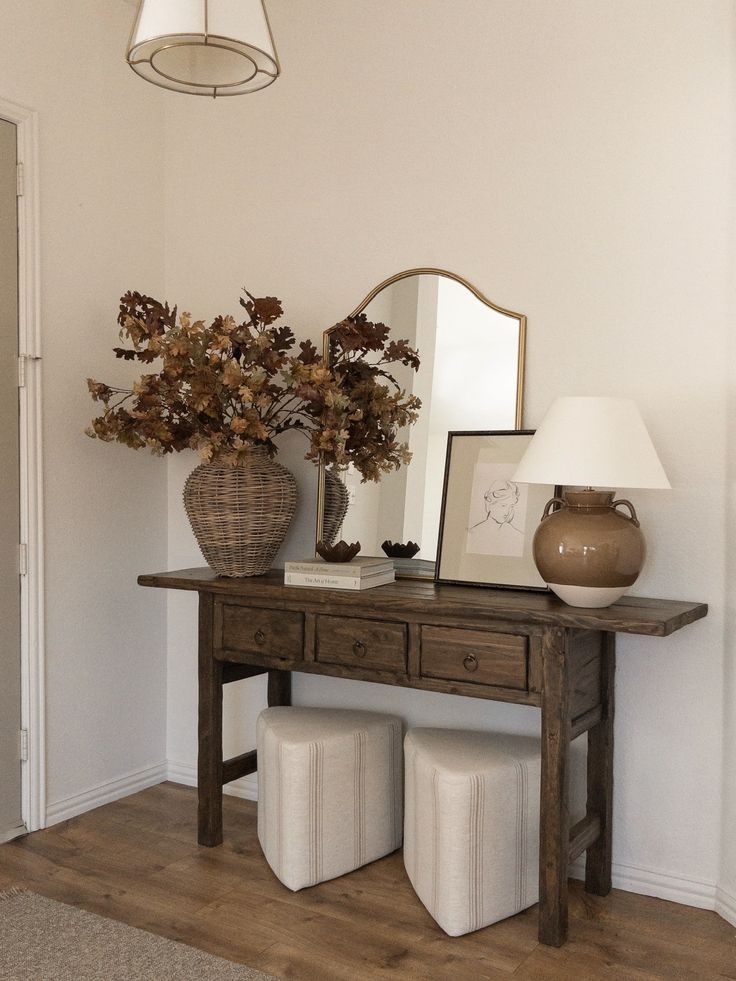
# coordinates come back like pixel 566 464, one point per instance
pixel 22 893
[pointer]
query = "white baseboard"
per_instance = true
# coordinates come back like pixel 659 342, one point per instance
pixel 186 773
pixel 726 906
pixel 630 878
pixel 646 882
pixel 13 833
pixel 663 885
pixel 131 783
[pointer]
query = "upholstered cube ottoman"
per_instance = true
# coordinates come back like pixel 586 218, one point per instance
pixel 329 791
pixel 471 825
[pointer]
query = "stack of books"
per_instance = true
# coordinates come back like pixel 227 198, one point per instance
pixel 362 572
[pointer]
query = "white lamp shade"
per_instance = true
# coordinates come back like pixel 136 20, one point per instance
pixel 204 47
pixel 592 442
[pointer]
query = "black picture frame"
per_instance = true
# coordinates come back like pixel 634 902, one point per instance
pixel 493 557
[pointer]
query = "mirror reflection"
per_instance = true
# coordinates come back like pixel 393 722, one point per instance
pixel 470 378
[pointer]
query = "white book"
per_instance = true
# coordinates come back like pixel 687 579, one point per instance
pixel 328 581
pixel 356 568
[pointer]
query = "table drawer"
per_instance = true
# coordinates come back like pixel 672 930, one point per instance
pixel 475 656
pixel 252 630
pixel 367 644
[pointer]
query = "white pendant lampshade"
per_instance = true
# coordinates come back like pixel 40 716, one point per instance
pixel 204 47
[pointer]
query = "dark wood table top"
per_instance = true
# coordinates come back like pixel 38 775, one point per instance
pixel 631 614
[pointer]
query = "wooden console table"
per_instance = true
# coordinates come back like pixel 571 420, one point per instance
pixel 510 646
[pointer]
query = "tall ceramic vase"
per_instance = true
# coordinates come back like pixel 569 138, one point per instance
pixel 240 515
pixel 337 501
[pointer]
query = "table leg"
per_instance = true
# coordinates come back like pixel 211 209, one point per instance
pixel 279 688
pixel 554 843
pixel 209 762
pixel 600 777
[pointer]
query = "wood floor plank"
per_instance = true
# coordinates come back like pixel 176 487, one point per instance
pixel 137 861
pixel 634 937
pixel 293 962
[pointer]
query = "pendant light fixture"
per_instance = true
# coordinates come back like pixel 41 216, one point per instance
pixel 204 47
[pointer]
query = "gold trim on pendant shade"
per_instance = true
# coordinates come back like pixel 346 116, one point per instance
pixel 209 85
pixel 213 91
pixel 275 58
pixel 133 32
pixel 428 271
pixel 208 37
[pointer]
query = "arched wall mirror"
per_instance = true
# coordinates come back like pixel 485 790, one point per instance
pixel 470 378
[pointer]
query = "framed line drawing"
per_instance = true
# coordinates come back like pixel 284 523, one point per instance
pixel 488 520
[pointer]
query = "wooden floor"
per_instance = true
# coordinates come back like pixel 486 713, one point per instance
pixel 137 861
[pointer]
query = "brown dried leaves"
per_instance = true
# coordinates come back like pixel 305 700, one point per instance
pixel 226 386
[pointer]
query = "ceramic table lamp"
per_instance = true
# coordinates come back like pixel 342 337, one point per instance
pixel 587 551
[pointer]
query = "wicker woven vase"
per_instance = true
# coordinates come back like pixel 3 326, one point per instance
pixel 240 515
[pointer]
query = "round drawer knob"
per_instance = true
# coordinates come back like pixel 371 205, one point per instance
pixel 470 663
pixel 259 637
pixel 359 648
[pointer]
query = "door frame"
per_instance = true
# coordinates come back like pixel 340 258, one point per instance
pixel 33 721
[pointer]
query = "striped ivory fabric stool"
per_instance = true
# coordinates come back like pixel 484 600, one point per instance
pixel 471 827
pixel 329 791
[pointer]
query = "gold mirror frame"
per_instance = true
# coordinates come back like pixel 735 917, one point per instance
pixel 426 271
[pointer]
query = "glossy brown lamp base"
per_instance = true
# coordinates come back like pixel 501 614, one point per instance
pixel 587 597
pixel 587 552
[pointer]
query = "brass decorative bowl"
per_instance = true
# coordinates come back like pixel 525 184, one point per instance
pixel 341 552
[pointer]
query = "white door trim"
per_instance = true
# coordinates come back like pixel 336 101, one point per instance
pixel 31 482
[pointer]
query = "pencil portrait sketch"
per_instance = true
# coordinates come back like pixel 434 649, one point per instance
pixel 488 519
pixel 498 508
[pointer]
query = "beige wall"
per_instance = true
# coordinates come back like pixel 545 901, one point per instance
pixel 101 205
pixel 572 159
pixel 727 893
